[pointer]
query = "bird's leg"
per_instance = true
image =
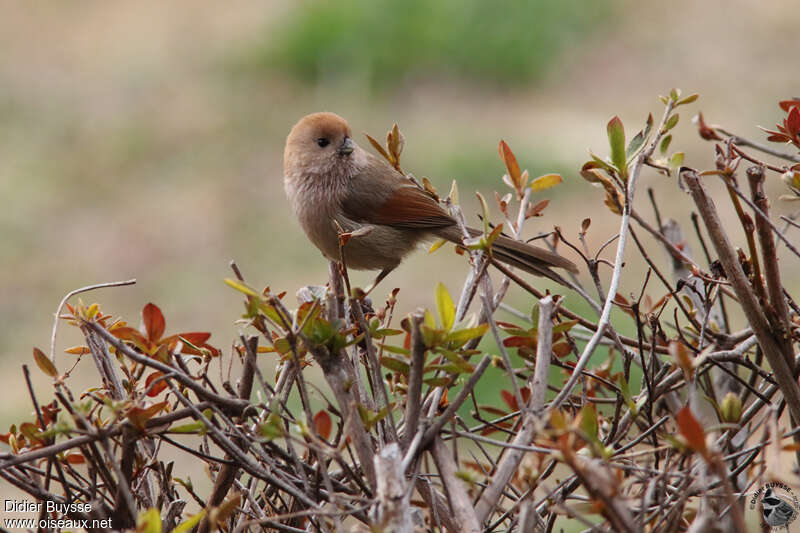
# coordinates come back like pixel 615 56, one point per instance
pixel 382 274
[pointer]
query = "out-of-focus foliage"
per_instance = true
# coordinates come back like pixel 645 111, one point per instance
pixel 382 41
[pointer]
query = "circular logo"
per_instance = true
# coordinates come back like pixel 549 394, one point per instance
pixel 777 505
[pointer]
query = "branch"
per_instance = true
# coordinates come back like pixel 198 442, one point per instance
pixel 393 511
pixel 465 515
pixel 733 271
pixel 531 420
pixel 605 317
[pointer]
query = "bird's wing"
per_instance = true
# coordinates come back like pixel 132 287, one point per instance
pixel 381 195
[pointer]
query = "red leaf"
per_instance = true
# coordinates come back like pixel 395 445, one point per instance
pixel 158 387
pixel 705 131
pixel 561 350
pixel 493 410
pixel 536 209
pixel 495 427
pixel 49 412
pixel 509 399
pixel 516 342
pixel 793 121
pixel 786 105
pixel 511 163
pixel 525 392
pixel 322 421
pixel 683 359
pixel 692 431
pixel 196 337
pixel 75 458
pixel 127 333
pixel 778 138
pixel 153 322
pixel 140 415
pixel 185 348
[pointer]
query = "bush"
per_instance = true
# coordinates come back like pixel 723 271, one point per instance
pixel 383 445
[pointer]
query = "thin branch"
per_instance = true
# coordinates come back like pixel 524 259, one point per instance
pixel 70 295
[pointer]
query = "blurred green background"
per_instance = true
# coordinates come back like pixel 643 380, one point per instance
pixel 144 140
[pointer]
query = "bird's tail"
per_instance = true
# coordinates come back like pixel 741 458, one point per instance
pixel 532 259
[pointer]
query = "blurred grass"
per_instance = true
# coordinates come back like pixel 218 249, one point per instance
pixel 384 42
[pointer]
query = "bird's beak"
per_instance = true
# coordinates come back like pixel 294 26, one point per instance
pixel 347 146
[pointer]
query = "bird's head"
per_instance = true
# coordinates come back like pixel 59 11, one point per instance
pixel 320 144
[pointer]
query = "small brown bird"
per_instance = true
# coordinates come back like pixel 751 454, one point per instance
pixel 329 179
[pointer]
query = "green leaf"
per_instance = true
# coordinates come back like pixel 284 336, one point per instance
pixel 565 326
pixel 616 141
pixel 437 382
pixel 395 365
pixel 589 421
pixel 638 141
pixel 625 390
pixel 271 428
pixel 282 345
pixel 429 320
pixel 598 163
pixel 672 121
pixel 149 521
pixel 460 337
pixel 385 332
pixel 188 525
pixel 369 417
pixel 318 330
pixel 242 287
pixel 450 368
pixel 676 160
pixel 688 100
pixel 270 312
pixel 395 349
pixel 436 245
pixel 462 364
pixel 664 146
pixel 444 303
pixel 191 428
pixel 431 336
pixel 494 234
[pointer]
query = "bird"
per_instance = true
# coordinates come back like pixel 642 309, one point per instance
pixel 334 186
pixel 776 511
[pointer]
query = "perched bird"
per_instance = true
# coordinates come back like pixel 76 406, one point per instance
pixel 333 185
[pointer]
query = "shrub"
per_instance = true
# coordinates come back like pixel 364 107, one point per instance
pixel 384 446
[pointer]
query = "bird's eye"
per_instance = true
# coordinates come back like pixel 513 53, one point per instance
pixel 323 142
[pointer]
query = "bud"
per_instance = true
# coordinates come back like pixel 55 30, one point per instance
pixel 730 410
pixel 791 178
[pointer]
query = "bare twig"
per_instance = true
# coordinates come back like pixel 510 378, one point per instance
pixel 747 298
pixel 605 317
pixel 70 295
